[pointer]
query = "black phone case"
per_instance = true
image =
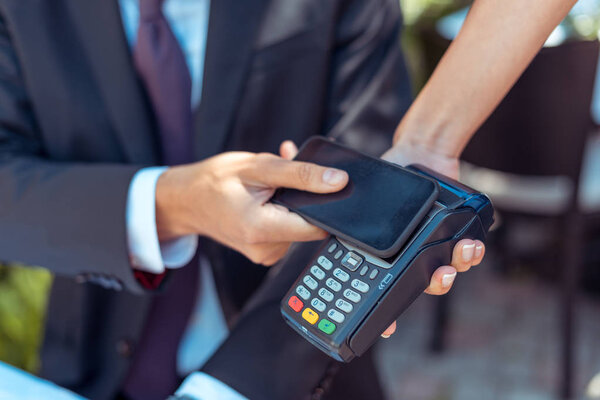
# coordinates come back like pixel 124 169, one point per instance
pixel 400 241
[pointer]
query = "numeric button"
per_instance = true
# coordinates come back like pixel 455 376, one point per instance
pixel 333 284
pixel 352 295
pixel 325 263
pixel 341 275
pixel 317 272
pixel 344 305
pixel 310 282
pixel 303 292
pixel 318 305
pixel 336 316
pixel 360 286
pixel 326 294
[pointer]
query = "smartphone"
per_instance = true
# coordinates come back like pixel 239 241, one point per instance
pixel 379 208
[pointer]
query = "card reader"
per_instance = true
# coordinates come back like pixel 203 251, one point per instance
pixel 346 296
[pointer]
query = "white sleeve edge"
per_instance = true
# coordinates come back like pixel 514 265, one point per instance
pixel 201 386
pixel 142 237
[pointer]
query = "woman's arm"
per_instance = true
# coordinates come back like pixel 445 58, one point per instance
pixel 497 42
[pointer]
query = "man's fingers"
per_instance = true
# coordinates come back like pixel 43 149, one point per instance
pixel 441 280
pixel 276 172
pixel 281 225
pixel 276 253
pixel 266 253
pixel 288 150
pixel 389 331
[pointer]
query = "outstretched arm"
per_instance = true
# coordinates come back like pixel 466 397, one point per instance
pixel 497 42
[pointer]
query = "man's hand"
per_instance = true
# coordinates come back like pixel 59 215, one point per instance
pixel 467 253
pixel 226 198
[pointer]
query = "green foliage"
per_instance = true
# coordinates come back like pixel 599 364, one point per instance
pixel 583 25
pixel 420 17
pixel 423 49
pixel 23 298
pixel 419 11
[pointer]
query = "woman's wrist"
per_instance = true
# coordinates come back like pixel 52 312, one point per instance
pixel 429 143
pixel 405 154
pixel 432 135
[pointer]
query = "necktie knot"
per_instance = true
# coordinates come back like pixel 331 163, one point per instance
pixel 151 9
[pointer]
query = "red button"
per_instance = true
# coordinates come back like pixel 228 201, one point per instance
pixel 295 303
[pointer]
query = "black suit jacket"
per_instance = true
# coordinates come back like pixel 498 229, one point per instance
pixel 75 126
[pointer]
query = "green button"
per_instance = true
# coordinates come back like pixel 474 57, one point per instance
pixel 327 326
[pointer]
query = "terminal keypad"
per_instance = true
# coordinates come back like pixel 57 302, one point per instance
pixel 332 288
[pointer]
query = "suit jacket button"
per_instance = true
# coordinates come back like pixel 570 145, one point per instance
pixel 317 394
pixel 125 348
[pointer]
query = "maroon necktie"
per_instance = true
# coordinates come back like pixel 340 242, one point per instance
pixel 161 66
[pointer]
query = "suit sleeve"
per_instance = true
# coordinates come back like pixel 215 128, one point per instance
pixel 369 89
pixel 263 358
pixel 65 216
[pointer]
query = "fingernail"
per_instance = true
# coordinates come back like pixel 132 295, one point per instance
pixel 383 335
pixel 448 279
pixel 467 252
pixel 333 176
pixel 478 251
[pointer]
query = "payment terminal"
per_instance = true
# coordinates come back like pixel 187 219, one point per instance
pixel 391 227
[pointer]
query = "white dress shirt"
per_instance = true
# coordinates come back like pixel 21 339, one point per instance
pixel 207 328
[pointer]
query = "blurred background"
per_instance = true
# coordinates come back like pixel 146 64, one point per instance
pixel 524 325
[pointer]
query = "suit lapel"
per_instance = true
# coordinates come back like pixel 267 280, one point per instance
pixel 233 25
pixel 100 28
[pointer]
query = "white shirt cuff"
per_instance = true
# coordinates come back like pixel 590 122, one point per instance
pixel 145 251
pixel 178 252
pixel 200 386
pixel 17 384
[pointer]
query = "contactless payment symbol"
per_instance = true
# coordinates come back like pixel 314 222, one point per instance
pixel 385 281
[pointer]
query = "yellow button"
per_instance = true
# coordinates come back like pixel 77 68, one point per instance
pixel 310 316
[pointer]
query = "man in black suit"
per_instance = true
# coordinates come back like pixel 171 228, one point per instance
pixel 81 114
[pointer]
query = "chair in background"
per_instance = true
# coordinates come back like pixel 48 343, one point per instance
pixel 528 158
